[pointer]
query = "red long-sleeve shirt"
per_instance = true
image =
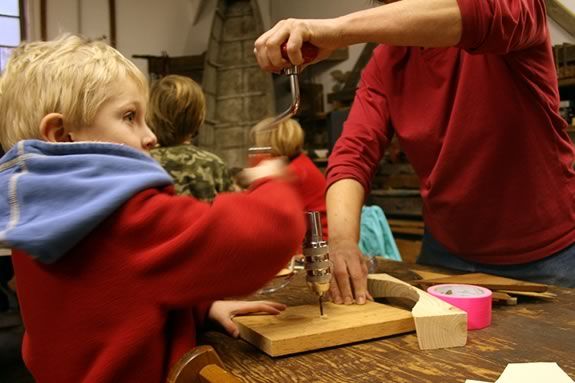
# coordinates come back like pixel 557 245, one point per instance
pixel 479 123
pixel 310 184
pixel 124 304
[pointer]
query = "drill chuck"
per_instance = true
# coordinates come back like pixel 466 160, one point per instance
pixel 316 256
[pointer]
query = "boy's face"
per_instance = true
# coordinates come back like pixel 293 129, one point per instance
pixel 120 120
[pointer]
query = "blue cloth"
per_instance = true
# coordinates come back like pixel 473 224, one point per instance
pixel 557 269
pixel 53 194
pixel 375 238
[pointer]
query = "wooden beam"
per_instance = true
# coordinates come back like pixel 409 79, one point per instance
pixel 112 10
pixel 561 15
pixel 23 23
pixel 43 21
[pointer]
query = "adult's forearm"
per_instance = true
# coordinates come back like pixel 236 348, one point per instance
pixel 344 200
pixel 425 23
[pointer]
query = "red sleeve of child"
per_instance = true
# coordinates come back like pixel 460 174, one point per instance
pixel 186 251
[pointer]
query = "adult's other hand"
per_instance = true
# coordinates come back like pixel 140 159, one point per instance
pixel 349 282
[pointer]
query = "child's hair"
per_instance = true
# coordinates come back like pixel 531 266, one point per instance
pixel 176 110
pixel 285 139
pixel 70 75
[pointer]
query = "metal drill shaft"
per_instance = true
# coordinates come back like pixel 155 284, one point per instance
pixel 316 258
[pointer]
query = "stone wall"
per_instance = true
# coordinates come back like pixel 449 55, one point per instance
pixel 238 93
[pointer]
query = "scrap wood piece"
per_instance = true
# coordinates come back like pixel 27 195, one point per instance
pixel 430 274
pixel 503 297
pixel 488 281
pixel 545 296
pixel 437 323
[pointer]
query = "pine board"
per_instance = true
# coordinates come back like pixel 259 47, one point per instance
pixel 300 328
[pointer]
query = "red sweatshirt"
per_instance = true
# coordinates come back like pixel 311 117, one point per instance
pixel 124 304
pixel 480 125
pixel 311 187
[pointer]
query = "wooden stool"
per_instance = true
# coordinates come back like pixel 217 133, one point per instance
pixel 201 365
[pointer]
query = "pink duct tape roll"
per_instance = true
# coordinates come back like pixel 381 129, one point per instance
pixel 474 300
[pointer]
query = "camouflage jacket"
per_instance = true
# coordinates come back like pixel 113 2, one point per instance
pixel 195 172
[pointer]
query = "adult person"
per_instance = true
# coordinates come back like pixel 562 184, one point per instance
pixel 470 89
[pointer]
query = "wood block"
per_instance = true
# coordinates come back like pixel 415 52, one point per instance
pixel 489 281
pixel 437 323
pixel 301 328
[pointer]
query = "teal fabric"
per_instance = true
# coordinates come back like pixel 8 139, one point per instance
pixel 375 237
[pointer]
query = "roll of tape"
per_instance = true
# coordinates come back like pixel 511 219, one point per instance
pixel 474 300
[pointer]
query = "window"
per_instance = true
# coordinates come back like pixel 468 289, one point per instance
pixel 11 28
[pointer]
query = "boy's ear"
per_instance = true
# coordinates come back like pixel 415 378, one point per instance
pixel 52 128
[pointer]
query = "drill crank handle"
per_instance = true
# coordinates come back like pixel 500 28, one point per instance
pixel 309 52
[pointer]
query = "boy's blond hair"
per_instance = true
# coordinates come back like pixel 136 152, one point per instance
pixel 71 75
pixel 176 110
pixel 285 139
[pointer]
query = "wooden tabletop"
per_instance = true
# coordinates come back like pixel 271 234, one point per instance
pixel 532 331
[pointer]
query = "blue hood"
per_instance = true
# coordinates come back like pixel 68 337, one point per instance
pixel 53 195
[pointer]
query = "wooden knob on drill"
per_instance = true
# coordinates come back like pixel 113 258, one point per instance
pixel 308 51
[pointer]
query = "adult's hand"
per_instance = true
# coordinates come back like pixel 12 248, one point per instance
pixel 324 34
pixel 349 282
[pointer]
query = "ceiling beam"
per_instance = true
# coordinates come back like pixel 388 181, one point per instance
pixel 561 15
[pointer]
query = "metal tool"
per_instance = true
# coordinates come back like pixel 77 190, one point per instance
pixel 309 53
pixel 316 257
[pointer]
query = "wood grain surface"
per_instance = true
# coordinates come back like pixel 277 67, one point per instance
pixel 532 331
pixel 438 324
pixel 300 328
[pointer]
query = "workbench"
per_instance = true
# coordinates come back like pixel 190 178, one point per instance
pixel 532 331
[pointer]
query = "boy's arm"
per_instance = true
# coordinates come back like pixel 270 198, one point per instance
pixel 187 252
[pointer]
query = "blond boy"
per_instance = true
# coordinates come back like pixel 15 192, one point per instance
pixel 115 272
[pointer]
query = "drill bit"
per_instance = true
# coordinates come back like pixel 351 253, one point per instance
pixel 320 307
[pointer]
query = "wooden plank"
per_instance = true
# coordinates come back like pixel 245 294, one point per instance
pixel 300 328
pixel 492 282
pixel 437 323
pixel 545 296
pixel 425 274
pixel 406 223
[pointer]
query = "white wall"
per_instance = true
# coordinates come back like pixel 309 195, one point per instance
pixel 178 27
pixel 151 26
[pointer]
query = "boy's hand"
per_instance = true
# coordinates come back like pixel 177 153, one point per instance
pixel 274 167
pixel 224 311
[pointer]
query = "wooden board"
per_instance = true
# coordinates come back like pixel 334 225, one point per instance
pixel 492 282
pixel 301 328
pixel 437 323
